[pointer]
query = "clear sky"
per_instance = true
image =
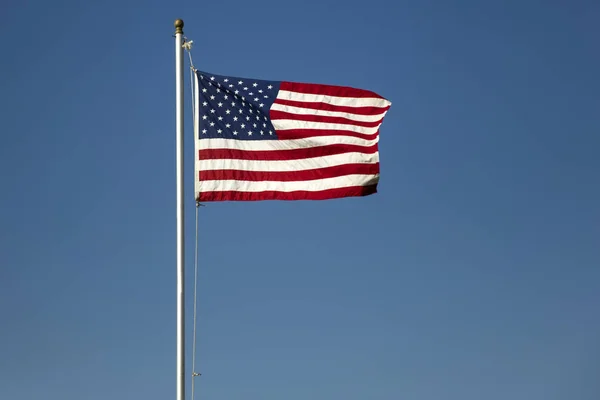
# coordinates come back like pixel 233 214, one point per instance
pixel 473 274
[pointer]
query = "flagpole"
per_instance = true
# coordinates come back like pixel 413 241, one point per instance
pixel 180 211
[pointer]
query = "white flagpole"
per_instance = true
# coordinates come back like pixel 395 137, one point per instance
pixel 180 212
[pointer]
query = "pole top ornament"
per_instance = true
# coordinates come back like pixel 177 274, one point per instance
pixel 178 26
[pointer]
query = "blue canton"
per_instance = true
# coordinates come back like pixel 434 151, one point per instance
pixel 236 108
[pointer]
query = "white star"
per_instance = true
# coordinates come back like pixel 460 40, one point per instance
pixel 250 94
pixel 236 92
pixel 235 132
pixel 260 90
pixel 227 125
pixel 240 82
pixel 235 118
pixel 227 112
pixel 209 84
pixel 261 132
pixel 264 125
pixel 204 117
pixel 262 104
pixel 225 80
pixel 241 111
pixel 251 111
pixel 205 104
pixel 220 104
pixel 212 78
pixel 256 99
pixel 270 87
pixel 243 126
pixel 204 131
pixel 270 132
pixel 245 87
pixel 248 118
pixel 218 90
pixel 212 111
pixel 230 85
pixel 249 133
pixel 232 104
pixel 225 97
pixel 204 90
pixel 212 124
pixel 254 125
pixel 265 96
pixel 258 117
pixel 212 97
pixel 219 131
pixel 255 84
pixel 220 118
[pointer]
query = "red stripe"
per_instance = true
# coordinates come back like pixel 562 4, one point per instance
pixel 352 191
pixel 289 176
pixel 292 154
pixel 332 107
pixel 290 134
pixel 275 114
pixel 329 90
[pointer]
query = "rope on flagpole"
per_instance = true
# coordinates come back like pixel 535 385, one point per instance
pixel 187 45
pixel 194 373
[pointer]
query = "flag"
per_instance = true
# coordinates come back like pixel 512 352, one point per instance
pixel 277 140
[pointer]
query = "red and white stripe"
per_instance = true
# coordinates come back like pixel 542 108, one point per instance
pixel 327 147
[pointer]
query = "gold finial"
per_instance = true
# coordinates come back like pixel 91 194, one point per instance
pixel 178 26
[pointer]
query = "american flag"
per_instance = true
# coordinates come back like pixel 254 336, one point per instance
pixel 276 140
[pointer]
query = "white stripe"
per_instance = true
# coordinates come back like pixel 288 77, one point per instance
pixel 287 165
pixel 311 186
pixel 287 124
pixel 334 100
pixel 341 114
pixel 290 144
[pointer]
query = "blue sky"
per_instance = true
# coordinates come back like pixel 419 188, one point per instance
pixel 472 274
